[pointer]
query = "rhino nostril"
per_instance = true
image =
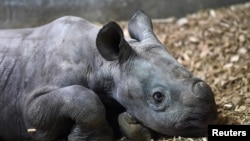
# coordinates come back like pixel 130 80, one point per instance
pixel 202 90
pixel 201 84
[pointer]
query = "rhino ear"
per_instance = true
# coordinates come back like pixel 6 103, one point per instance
pixel 111 44
pixel 140 26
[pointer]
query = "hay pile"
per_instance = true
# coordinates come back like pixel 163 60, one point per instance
pixel 215 45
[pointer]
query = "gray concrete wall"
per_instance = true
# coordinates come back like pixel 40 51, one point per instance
pixel 28 13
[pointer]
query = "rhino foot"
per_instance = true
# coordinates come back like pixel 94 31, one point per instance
pixel 132 129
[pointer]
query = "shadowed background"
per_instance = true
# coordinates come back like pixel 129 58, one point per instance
pixel 27 13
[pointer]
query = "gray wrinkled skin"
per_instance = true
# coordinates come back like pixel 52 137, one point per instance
pixel 69 80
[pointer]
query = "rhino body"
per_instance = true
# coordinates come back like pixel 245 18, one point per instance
pixel 70 79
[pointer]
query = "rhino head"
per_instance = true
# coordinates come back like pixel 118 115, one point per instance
pixel 153 87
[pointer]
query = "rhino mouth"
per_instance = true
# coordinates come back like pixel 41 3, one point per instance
pixel 187 132
pixel 195 121
pixel 192 126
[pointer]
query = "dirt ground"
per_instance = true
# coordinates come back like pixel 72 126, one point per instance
pixel 214 44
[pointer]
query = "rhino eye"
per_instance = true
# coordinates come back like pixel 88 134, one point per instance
pixel 158 97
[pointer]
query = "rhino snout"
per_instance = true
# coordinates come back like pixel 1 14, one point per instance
pixel 201 90
pixel 203 102
pixel 203 94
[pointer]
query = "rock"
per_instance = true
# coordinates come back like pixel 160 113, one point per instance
pixel 240 108
pixel 242 51
pixel 182 21
pixel 242 38
pixel 235 58
pixel 237 101
pixel 212 13
pixel 228 106
pixel 193 39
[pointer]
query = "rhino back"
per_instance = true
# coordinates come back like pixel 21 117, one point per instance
pixel 56 54
pixel 37 54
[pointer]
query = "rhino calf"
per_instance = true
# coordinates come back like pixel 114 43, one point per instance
pixel 70 80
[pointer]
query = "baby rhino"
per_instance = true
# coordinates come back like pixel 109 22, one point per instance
pixel 70 80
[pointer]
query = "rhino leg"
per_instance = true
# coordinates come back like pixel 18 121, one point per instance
pixel 73 113
pixel 132 129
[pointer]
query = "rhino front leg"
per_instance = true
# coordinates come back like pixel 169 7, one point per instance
pixel 72 113
pixel 132 129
